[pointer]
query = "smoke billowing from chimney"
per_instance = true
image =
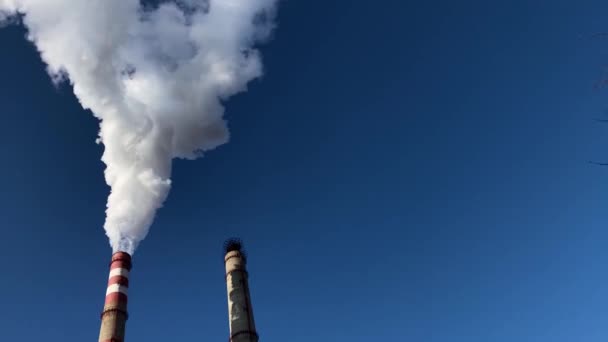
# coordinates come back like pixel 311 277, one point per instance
pixel 154 76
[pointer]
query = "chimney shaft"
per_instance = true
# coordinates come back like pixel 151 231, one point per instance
pixel 114 315
pixel 240 311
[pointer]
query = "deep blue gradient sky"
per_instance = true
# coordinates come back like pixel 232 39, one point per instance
pixel 404 171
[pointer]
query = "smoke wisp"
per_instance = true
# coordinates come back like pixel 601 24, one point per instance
pixel 155 76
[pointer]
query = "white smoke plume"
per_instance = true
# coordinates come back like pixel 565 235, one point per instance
pixel 155 76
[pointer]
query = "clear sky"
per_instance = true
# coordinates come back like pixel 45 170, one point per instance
pixel 404 171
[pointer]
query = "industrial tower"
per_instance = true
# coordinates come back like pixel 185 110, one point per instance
pixel 240 311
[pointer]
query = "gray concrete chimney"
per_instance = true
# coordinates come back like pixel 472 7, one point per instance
pixel 240 312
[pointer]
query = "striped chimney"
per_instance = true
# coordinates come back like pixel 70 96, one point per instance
pixel 240 311
pixel 114 315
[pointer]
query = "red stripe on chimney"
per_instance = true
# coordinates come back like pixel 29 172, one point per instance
pixel 116 297
pixel 118 280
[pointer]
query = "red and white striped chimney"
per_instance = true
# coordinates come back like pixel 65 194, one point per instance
pixel 114 315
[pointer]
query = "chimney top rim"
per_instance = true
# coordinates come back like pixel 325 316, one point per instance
pixel 234 245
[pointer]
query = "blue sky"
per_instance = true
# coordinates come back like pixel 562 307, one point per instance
pixel 403 171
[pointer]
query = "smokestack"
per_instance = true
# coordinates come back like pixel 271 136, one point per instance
pixel 240 311
pixel 114 315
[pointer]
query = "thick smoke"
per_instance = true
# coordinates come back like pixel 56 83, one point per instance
pixel 154 76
